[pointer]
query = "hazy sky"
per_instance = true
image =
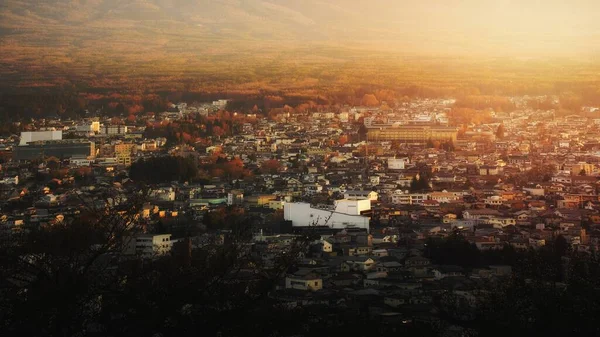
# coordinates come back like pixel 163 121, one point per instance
pixel 514 25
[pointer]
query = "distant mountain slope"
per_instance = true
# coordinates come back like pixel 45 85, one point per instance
pixel 442 26
pixel 45 38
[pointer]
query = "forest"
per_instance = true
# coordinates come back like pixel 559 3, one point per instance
pixel 350 79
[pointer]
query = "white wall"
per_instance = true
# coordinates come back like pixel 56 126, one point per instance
pixel 302 215
pixel 397 163
pixel 352 207
pixel 153 245
pixel 32 136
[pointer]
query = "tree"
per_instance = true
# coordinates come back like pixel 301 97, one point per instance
pixel 500 131
pixel 69 278
pixel 419 183
pixel 64 269
pixel 163 169
pixel 369 100
pixel 271 166
pixel 218 131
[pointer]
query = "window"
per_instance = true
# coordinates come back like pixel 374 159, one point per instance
pixel 317 283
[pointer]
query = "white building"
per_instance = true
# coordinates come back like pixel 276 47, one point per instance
pixel 80 161
pixel 494 200
pixel 163 193
pixel 151 245
pixel 444 196
pixel 397 163
pixel 10 180
pixel 33 136
pixel 344 214
pixel 405 198
pixel 222 103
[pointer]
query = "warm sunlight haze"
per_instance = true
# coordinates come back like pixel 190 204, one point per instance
pixel 299 168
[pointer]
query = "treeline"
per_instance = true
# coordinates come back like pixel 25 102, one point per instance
pixel 553 290
pixel 197 128
pixel 165 169
pixel 545 263
pixel 354 91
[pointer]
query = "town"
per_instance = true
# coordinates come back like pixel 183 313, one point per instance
pixel 400 206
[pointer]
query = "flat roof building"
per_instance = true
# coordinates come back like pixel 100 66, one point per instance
pixel 61 149
pixel 412 133
pixel 34 136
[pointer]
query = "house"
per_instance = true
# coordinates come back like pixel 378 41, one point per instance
pixel 163 194
pixel 488 170
pixel 444 196
pixel 405 198
pixel 345 279
pixel 417 265
pixel 358 195
pixel 308 282
pixel 379 252
pixel 390 266
pixel 395 301
pixel 357 250
pixel 494 200
pixel 362 264
pixel 476 214
pixel 537 242
pixel 444 271
pixel 326 246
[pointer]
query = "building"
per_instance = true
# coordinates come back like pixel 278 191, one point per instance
pixel 150 245
pixel 360 195
pixel 61 149
pixel 405 198
pixel 344 214
pixel 34 136
pixel 149 145
pixel 412 133
pixel 220 104
pixel 261 200
pixel 88 127
pixel 397 163
pixel 309 282
pixel 124 152
pixel 113 130
pixel 80 161
pixel 444 196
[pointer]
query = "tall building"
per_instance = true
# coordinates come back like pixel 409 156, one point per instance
pixel 113 130
pixel 149 245
pixel 55 148
pixel 34 136
pixel 412 133
pixel 124 153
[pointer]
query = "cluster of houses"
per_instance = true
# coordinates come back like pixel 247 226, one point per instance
pixel 372 202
